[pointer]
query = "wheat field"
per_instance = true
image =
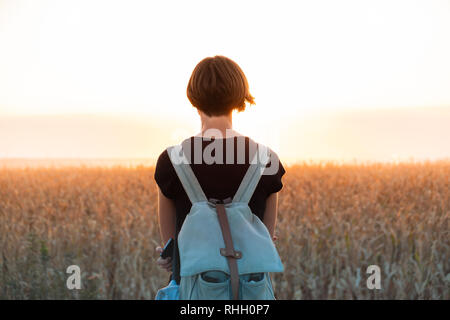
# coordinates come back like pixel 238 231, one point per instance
pixel 334 221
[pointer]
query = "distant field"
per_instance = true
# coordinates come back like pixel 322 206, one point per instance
pixel 9 163
pixel 334 221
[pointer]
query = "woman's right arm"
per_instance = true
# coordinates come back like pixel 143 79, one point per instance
pixel 270 214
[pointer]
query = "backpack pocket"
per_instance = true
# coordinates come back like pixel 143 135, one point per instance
pixel 170 292
pixel 256 287
pixel 212 285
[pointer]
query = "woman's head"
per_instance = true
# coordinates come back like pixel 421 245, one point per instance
pixel 218 86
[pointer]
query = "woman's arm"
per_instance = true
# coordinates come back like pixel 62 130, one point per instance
pixel 167 220
pixel 166 216
pixel 270 215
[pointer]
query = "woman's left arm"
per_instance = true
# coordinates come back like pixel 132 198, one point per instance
pixel 166 216
pixel 167 220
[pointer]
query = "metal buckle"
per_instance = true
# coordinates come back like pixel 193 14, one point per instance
pixel 217 201
pixel 235 254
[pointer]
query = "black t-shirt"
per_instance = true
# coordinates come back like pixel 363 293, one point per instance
pixel 218 180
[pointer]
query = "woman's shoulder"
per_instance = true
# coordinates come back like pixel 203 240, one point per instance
pixel 165 175
pixel 162 167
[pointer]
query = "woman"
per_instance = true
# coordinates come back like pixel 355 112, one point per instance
pixel 217 87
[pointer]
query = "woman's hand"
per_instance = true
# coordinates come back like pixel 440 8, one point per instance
pixel 164 263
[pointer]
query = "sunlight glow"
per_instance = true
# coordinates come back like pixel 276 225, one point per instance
pixel 300 57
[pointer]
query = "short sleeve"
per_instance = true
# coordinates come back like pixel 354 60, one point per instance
pixel 165 176
pixel 273 180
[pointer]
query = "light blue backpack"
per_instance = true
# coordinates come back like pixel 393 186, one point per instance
pixel 226 251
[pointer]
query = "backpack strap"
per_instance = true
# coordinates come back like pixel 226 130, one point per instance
pixel 229 251
pixel 185 174
pixel 253 174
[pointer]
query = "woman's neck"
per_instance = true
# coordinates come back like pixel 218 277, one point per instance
pixel 219 127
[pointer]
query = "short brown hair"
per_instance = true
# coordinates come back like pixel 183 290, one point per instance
pixel 218 86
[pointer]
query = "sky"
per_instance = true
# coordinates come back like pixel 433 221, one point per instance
pixel 332 79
